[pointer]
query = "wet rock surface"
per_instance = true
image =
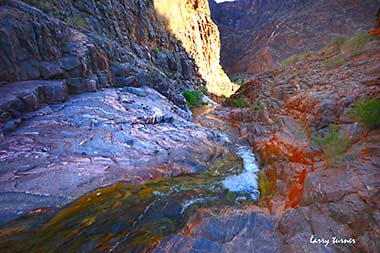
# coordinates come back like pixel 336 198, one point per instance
pixel 63 151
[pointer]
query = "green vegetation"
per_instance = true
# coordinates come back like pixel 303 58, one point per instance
pixel 263 185
pixel 337 42
pixel 193 98
pixel 204 90
pixel 77 21
pixel 348 46
pixel 368 112
pixel 333 144
pixel 345 47
pixel 334 62
pixel 357 42
pixel 239 102
pixel 292 60
pixel 257 106
pixel 267 184
pixel 308 54
pixel 142 213
pixel 156 50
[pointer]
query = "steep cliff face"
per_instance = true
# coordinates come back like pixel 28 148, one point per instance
pixel 191 23
pixel 257 35
pixel 92 45
pixel 97 44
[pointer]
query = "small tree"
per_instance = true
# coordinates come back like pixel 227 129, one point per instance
pixel 368 112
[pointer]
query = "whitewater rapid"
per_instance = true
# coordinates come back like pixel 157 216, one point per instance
pixel 247 181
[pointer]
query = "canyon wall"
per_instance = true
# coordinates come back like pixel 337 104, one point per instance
pixel 191 23
pixel 97 44
pixel 257 35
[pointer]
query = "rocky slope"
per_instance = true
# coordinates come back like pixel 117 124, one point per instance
pixel 257 35
pixel 53 53
pixel 328 188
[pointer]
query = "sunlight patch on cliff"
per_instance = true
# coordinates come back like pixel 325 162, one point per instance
pixel 190 22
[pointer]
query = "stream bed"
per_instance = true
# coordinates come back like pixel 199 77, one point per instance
pixel 135 217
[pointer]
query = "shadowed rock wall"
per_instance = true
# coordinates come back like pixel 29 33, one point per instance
pixel 257 35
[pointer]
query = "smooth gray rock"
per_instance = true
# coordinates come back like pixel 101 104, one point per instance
pixel 97 139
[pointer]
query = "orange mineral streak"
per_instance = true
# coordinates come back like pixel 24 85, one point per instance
pixel 196 219
pixel 288 150
pixel 374 32
pixel 295 193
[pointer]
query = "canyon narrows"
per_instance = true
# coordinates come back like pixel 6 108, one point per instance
pixel 109 143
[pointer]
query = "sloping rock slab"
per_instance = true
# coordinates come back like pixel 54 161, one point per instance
pixel 65 150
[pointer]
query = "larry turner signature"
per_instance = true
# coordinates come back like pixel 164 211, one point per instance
pixel 334 240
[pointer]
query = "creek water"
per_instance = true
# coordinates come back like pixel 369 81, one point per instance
pixel 135 217
pixel 247 181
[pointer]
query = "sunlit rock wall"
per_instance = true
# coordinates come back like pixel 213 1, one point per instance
pixel 191 23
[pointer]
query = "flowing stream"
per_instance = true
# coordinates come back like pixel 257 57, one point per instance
pixel 135 217
pixel 247 181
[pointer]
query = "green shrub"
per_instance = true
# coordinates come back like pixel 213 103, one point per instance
pixel 357 42
pixel 368 112
pixel 193 98
pixel 333 144
pixel 292 60
pixel 337 42
pixel 308 54
pixel 239 102
pixel 256 106
pixel 156 50
pixel 334 62
pixel 77 21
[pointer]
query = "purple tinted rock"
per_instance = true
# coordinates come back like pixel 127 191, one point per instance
pixel 51 70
